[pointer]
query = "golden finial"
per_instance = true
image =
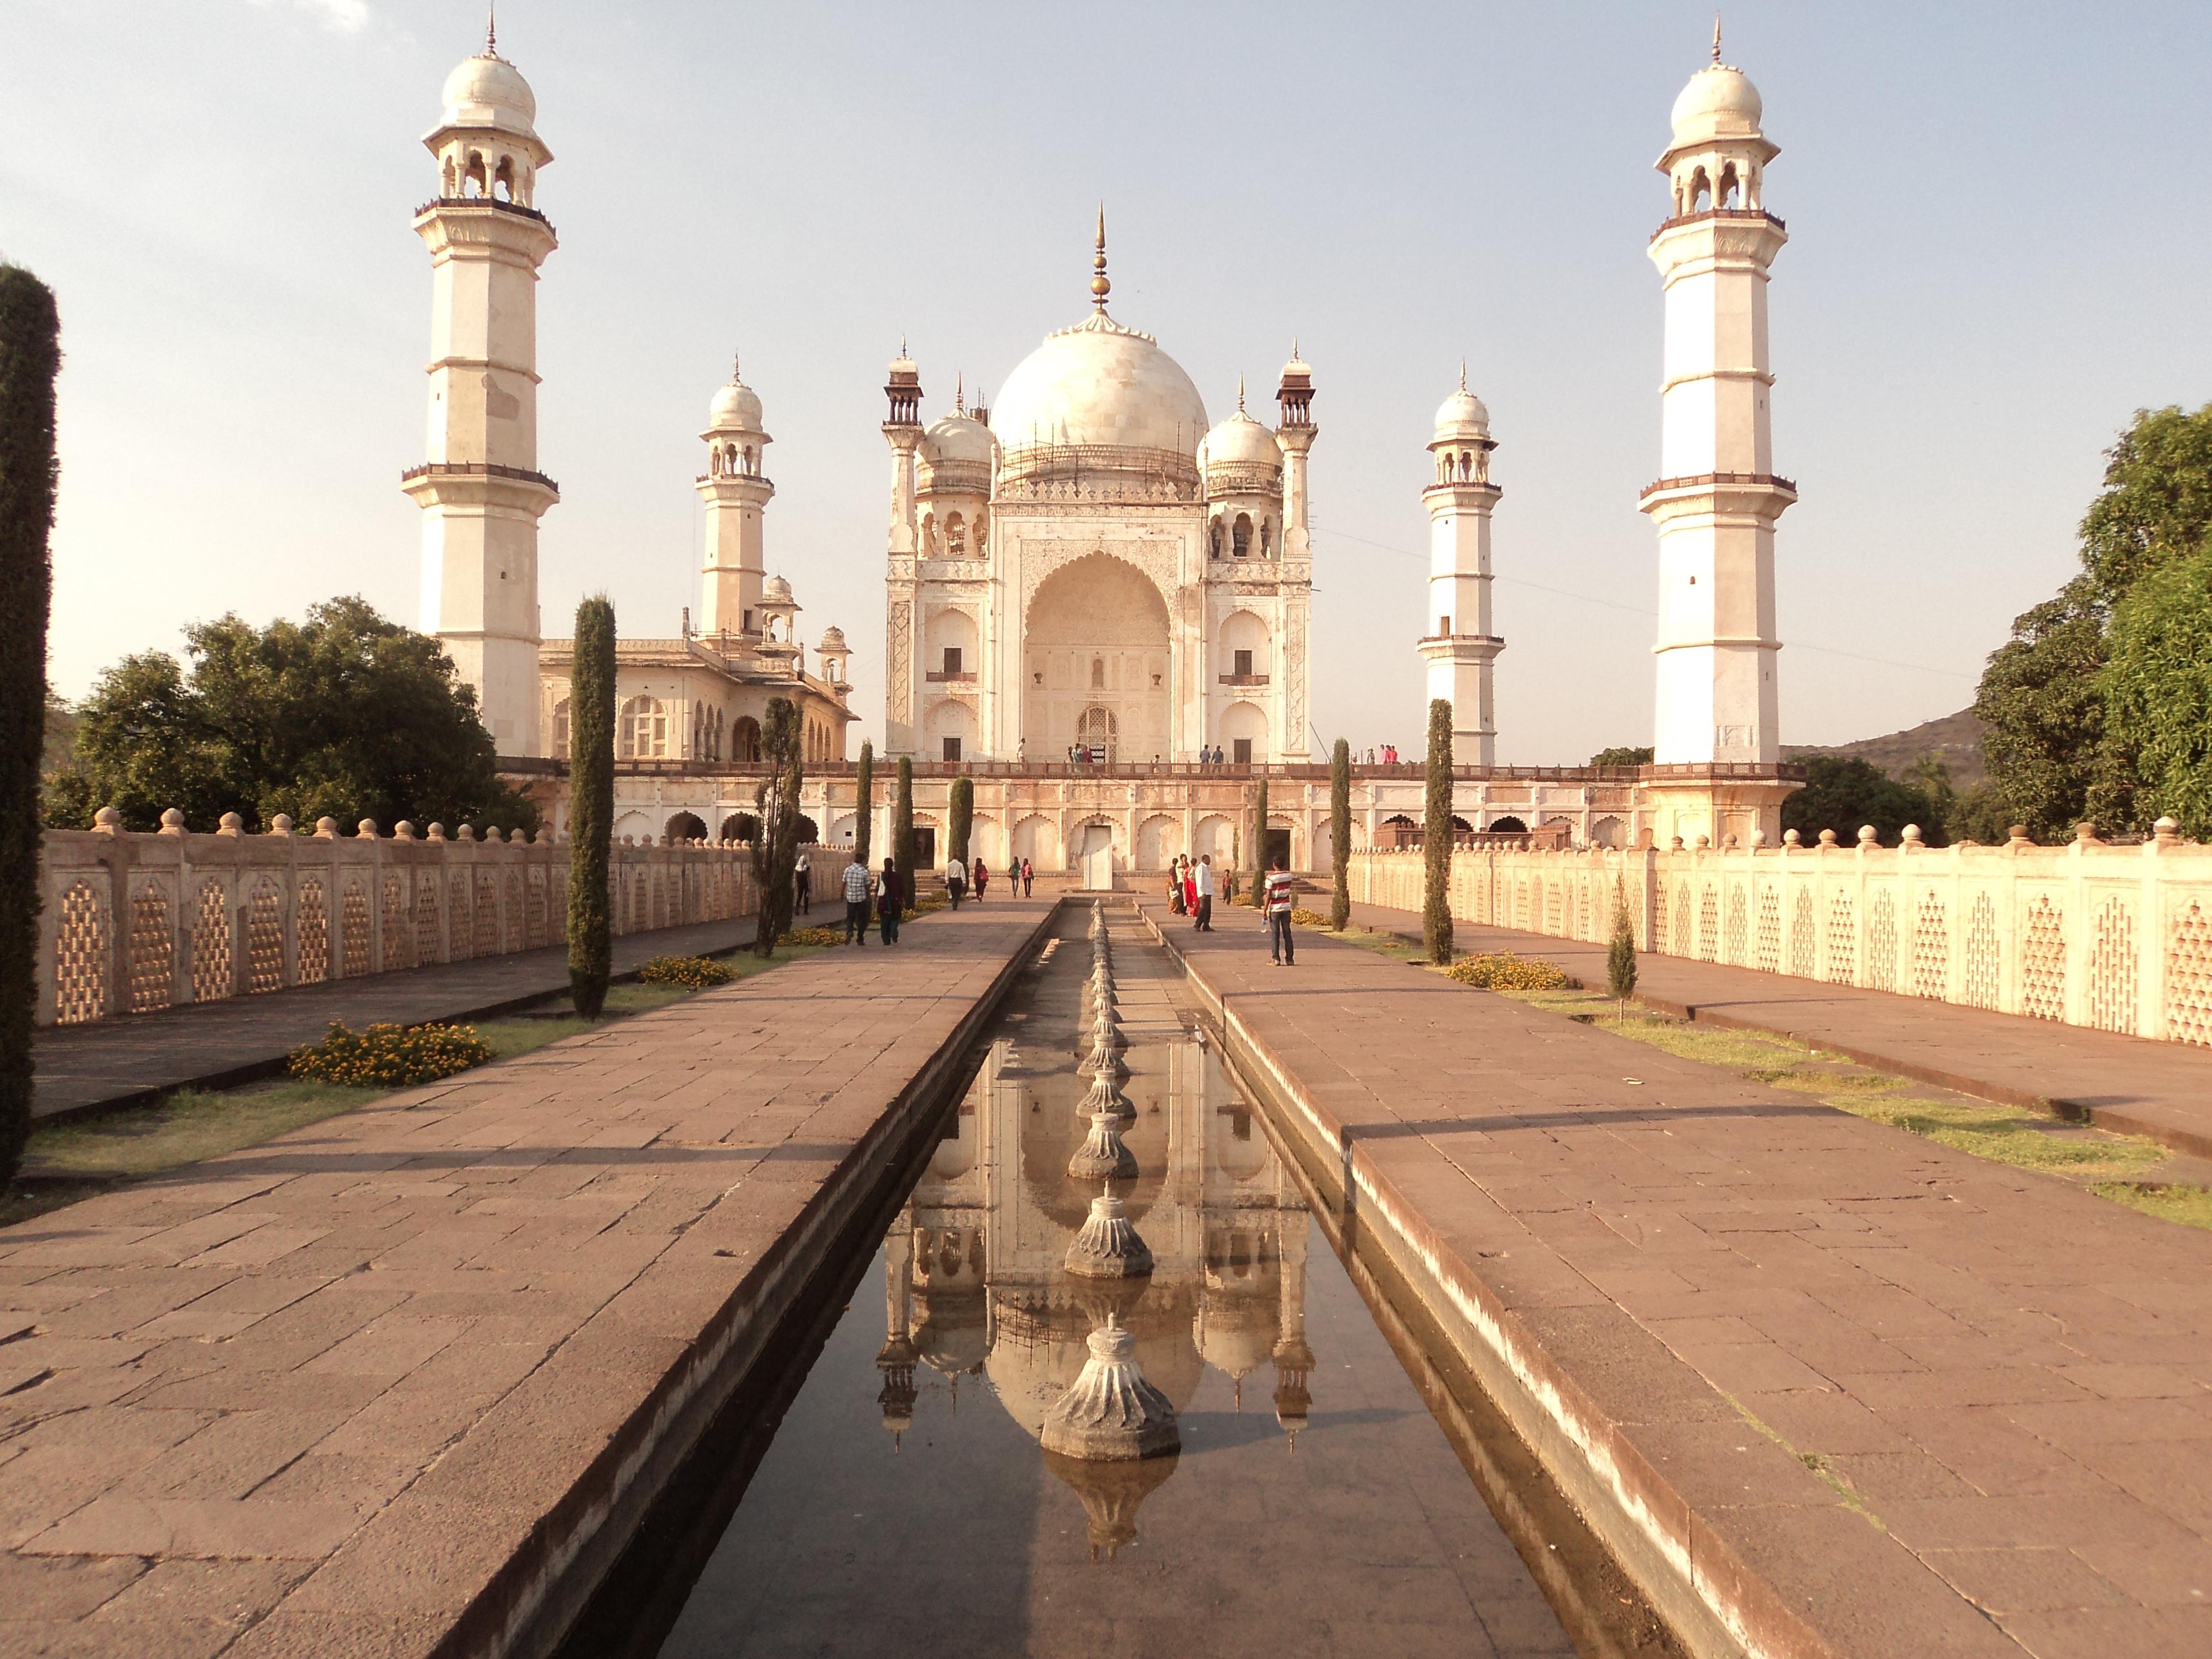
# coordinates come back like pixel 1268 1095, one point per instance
pixel 1716 40
pixel 1100 288
pixel 491 28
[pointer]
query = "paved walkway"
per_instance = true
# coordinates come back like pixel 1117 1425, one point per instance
pixel 349 1392
pixel 1880 1397
pixel 125 1061
pixel 2132 1084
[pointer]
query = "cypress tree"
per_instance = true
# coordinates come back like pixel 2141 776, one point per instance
pixel 962 817
pixel 1620 955
pixel 591 805
pixel 30 356
pixel 863 836
pixel 775 853
pixel 903 832
pixel 1340 834
pixel 1437 836
pixel 1257 895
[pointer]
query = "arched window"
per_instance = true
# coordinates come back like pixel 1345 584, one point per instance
pixel 686 826
pixel 1241 535
pixel 1098 732
pixel 503 181
pixel 1700 188
pixel 641 732
pixel 561 727
pixel 1216 539
pixel 956 536
pixel 449 179
pixel 1266 537
pixel 744 739
pixel 473 180
pixel 1726 195
pixel 1099 673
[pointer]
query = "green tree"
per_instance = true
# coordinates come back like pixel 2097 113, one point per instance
pixel 1623 755
pixel 775 851
pixel 902 833
pixel 2157 689
pixel 591 804
pixel 30 357
pixel 1257 897
pixel 1843 792
pixel 962 817
pixel 1436 836
pixel 864 796
pixel 345 715
pixel 2043 695
pixel 1340 834
pixel 1620 953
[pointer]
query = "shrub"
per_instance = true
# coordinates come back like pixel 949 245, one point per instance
pixel 389 1056
pixel 1306 917
pixel 815 936
pixel 1436 837
pixel 1339 835
pixel 1503 971
pixel 697 972
pixel 591 804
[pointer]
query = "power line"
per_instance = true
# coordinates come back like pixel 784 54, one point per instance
pixel 1646 610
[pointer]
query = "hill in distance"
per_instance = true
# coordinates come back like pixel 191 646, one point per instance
pixel 1955 740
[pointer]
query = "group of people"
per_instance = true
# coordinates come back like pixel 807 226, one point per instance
pixel 1210 756
pixel 1389 755
pixel 960 881
pixel 1191 887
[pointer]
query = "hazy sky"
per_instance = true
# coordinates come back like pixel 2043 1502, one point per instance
pixel 1999 249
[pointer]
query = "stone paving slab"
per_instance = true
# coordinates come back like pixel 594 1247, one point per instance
pixel 135 1058
pixel 2134 1085
pixel 1868 1395
pixel 354 1390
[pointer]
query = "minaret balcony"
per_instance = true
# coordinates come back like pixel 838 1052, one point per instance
pixel 448 203
pixel 1763 494
pixel 1714 215
pixel 957 677
pixel 1243 679
pixel 474 481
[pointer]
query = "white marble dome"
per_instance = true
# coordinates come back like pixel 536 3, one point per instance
pixel 1241 440
pixel 777 591
pixel 1720 102
pixel 1100 383
pixel 956 440
pixel 487 91
pixel 1462 417
pixel 737 407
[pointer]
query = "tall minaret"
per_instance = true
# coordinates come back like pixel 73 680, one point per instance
pixel 1717 498
pixel 902 431
pixel 480 491
pixel 1295 432
pixel 736 492
pixel 1459 647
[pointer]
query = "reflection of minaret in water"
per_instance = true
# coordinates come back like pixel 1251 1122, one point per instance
pixel 897 1358
pixel 1294 1360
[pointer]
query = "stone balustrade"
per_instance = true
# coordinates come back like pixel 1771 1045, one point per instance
pixel 2118 938
pixel 136 922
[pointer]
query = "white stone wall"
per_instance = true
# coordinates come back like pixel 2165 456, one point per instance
pixel 133 923
pixel 2118 938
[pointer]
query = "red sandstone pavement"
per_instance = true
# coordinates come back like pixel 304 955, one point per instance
pixel 311 1398
pixel 1726 1284
pixel 2133 1085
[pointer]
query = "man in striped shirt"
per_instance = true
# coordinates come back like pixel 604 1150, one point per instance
pixel 1276 903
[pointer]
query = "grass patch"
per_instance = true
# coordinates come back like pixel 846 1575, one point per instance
pixel 2190 1205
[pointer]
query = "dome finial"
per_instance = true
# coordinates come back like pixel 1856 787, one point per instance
pixel 1240 390
pixel 960 394
pixel 736 365
pixel 1462 375
pixel 1100 288
pixel 491 28
pixel 1716 40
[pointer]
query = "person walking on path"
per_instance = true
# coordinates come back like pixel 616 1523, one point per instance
pixel 856 903
pixel 956 881
pixel 983 879
pixel 1190 890
pixel 1013 877
pixel 890 899
pixel 1276 903
pixel 1029 875
pixel 1174 885
pixel 802 886
pixel 1203 883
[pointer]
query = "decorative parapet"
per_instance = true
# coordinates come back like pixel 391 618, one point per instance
pixel 133 923
pixel 2118 938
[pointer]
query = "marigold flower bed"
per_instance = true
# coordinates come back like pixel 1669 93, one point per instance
pixel 389 1056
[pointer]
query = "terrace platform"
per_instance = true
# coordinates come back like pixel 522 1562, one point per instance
pixel 1826 1387
pixel 392 1384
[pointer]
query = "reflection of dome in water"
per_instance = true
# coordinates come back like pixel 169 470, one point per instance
pixel 1234 1333
pixel 1111 1494
pixel 1041 1348
pixel 1039 1351
pixel 952 1330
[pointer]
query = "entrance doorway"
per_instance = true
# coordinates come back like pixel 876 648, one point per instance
pixel 925 847
pixel 1099 733
pixel 1277 846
